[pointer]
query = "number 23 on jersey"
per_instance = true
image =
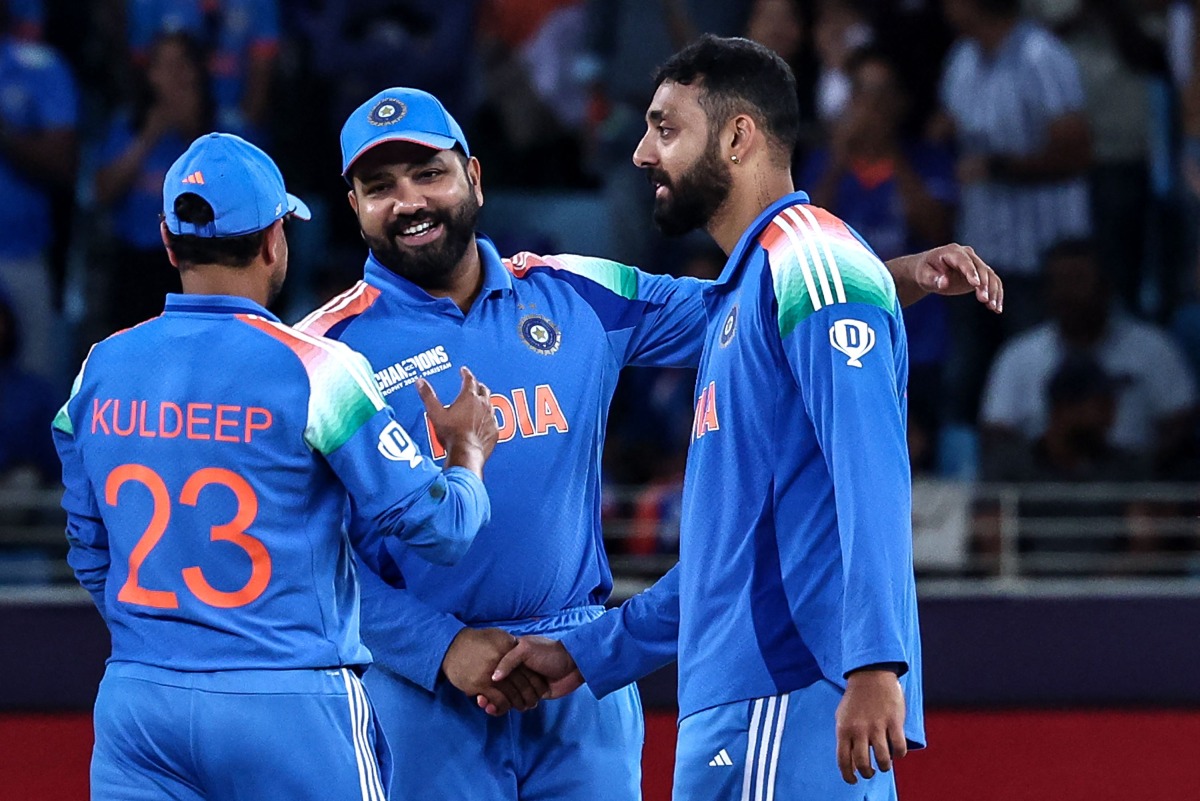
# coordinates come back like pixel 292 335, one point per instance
pixel 193 577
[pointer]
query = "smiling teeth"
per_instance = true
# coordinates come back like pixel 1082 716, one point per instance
pixel 418 229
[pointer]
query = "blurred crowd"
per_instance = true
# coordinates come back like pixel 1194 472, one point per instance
pixel 1059 138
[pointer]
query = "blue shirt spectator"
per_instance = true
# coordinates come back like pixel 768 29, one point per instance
pixel 37 98
pixel 241 37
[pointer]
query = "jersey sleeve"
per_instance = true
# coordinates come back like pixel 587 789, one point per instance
pixel 405 635
pixel 631 641
pixel 651 320
pixel 87 537
pixel 394 490
pixel 844 345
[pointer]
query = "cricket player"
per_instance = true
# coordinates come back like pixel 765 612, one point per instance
pixel 793 601
pixel 210 456
pixel 549 334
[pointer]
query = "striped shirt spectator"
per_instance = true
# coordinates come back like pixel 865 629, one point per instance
pixel 1016 107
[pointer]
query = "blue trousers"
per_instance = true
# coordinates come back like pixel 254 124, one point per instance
pixel 573 749
pixel 782 748
pixel 236 735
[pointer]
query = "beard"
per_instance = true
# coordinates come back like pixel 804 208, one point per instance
pixel 694 198
pixel 430 266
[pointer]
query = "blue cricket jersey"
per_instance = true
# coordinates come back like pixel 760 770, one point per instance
pixel 796 542
pixel 548 335
pixel 210 456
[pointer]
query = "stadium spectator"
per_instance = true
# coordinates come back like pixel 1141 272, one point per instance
pixel 27 406
pixel 899 195
pixel 37 158
pixel 841 28
pixel 534 105
pixel 626 40
pixel 174 106
pixel 362 46
pixel 786 26
pixel 1076 447
pixel 1156 391
pixel 1012 99
pixel 1118 61
pixel 241 38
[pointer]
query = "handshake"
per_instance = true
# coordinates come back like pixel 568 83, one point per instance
pixel 503 672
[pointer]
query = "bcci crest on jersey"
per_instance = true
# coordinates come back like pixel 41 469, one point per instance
pixel 397 446
pixel 541 335
pixel 730 327
pixel 853 338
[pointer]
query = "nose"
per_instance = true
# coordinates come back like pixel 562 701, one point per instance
pixel 644 155
pixel 408 199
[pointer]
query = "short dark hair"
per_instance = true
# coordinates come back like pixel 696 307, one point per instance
pixel 738 76
pixel 227 251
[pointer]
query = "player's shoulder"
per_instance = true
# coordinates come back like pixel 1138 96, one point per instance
pixel 332 318
pixel 620 279
pixel 816 260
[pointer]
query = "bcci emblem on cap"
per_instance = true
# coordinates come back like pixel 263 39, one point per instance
pixel 541 335
pixel 387 111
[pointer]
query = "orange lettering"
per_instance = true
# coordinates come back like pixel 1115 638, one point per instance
pixel 222 422
pixel 117 416
pixel 508 418
pixel 162 420
pixel 142 430
pixel 251 427
pixel 706 411
pixel 522 408
pixel 549 414
pixel 435 447
pixel 194 419
pixel 98 415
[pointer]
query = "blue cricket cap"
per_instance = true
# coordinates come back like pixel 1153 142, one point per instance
pixel 239 181
pixel 399 115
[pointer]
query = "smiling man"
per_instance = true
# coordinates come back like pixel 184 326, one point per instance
pixel 549 335
pixel 793 604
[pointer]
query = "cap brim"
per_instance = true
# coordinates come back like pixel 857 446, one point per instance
pixel 435 141
pixel 298 207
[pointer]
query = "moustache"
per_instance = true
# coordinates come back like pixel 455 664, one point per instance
pixel 395 229
pixel 656 176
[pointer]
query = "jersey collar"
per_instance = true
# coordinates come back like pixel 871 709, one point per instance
pixel 215 304
pixel 749 238
pixel 496 277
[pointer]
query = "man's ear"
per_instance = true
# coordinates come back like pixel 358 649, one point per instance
pixel 162 231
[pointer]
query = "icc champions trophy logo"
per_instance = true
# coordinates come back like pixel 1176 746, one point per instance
pixel 853 338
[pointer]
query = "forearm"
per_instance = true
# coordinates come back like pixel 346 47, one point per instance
pixel 903 270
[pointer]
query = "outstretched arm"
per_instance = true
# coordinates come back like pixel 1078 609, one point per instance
pixel 947 270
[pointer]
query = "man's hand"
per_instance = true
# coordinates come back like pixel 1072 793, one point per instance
pixel 472 658
pixel 947 270
pixel 870 717
pixel 548 658
pixel 467 427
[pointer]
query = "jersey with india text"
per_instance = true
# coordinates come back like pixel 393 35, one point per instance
pixel 548 335
pixel 795 542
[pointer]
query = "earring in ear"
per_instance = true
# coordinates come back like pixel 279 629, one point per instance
pixel 735 159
